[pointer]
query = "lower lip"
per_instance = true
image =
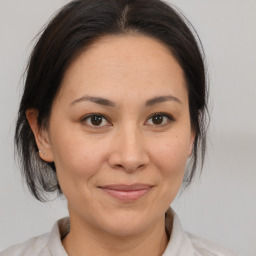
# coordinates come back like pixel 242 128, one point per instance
pixel 127 196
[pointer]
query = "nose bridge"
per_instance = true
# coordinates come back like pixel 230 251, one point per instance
pixel 130 152
pixel 131 140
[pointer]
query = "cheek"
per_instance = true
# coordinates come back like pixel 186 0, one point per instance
pixel 75 156
pixel 171 154
pixel 170 158
pixel 77 165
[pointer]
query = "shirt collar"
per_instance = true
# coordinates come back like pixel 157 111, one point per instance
pixel 179 244
pixel 59 230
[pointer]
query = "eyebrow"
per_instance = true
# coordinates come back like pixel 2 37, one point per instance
pixel 109 103
pixel 159 99
pixel 98 100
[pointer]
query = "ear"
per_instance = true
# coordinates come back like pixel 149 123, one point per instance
pixel 191 142
pixel 41 136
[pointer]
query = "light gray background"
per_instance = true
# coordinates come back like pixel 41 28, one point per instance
pixel 221 205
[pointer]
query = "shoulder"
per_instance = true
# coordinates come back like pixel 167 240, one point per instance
pixel 44 245
pixel 182 243
pixel 207 248
pixel 34 246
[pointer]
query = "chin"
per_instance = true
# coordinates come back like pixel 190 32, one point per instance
pixel 126 228
pixel 126 222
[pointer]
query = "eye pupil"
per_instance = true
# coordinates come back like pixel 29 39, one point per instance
pixel 157 119
pixel 96 120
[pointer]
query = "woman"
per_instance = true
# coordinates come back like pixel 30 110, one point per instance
pixel 113 117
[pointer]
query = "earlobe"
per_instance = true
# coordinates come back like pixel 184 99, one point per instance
pixel 41 136
pixel 190 149
pixel 191 143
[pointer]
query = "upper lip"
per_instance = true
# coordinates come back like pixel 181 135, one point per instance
pixel 124 187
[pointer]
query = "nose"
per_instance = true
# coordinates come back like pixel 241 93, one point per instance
pixel 128 150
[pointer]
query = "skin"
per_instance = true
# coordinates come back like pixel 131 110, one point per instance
pixel 128 147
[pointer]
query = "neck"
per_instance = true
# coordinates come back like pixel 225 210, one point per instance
pixel 84 240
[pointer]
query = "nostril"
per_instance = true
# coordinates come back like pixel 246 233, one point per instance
pixel 129 153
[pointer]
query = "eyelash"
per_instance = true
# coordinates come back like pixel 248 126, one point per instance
pixel 168 116
pixel 86 117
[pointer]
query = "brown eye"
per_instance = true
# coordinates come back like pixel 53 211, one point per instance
pixel 157 119
pixel 95 120
pixel 160 119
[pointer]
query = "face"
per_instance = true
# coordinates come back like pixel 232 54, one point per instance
pixel 120 134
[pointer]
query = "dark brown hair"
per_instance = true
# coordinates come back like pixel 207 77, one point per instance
pixel 75 27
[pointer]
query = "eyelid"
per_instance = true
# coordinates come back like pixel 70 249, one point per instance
pixel 168 116
pixel 163 114
pixel 87 116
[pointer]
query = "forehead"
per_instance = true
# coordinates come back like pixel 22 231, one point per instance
pixel 127 64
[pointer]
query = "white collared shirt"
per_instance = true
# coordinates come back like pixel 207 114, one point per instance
pixel 180 243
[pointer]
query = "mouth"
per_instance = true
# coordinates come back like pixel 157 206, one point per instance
pixel 127 193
